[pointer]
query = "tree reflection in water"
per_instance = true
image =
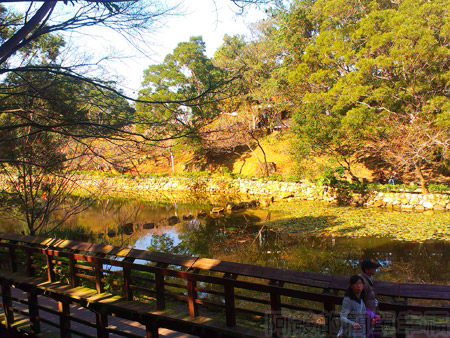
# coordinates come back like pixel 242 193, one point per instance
pixel 241 237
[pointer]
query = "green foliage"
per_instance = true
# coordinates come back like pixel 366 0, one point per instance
pixel 74 233
pixel 227 173
pixel 369 77
pixel 393 187
pixel 115 174
pixel 336 179
pixel 383 187
pixel 48 120
pixel 262 74
pixel 196 174
pixel 188 83
pixel 155 175
pixel 361 187
pixel 438 188
pixel 165 243
pixel 411 187
pixel 332 177
pixel 275 177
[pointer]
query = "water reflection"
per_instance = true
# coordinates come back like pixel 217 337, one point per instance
pixel 245 237
pixel 248 241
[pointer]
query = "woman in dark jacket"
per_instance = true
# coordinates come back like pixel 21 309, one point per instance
pixel 355 318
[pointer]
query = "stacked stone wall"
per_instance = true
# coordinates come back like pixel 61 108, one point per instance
pixel 153 188
pixel 149 187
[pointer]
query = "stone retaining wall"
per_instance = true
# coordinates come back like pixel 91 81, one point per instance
pixel 411 201
pixel 147 188
pixel 155 188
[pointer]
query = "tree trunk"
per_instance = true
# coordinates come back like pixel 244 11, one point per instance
pixel 10 46
pixel 420 176
pixel 266 166
pixel 353 176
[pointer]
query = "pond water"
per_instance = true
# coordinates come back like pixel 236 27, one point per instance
pixel 254 236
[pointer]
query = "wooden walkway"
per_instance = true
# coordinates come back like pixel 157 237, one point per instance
pixel 49 331
pixel 90 290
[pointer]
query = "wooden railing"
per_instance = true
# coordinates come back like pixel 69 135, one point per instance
pixel 280 299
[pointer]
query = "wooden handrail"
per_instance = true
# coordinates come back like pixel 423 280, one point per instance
pixel 274 284
pixel 392 289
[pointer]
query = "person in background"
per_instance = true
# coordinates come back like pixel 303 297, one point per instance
pixel 381 177
pixel 392 176
pixel 356 320
pixel 368 270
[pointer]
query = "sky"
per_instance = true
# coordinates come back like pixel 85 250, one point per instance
pixel 211 19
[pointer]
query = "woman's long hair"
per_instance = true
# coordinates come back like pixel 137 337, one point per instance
pixel 349 292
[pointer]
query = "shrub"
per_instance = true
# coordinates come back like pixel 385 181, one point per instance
pixel 196 174
pixel 74 233
pixel 439 188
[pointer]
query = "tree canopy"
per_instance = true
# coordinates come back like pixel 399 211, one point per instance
pixel 54 103
pixel 371 77
pixel 47 122
pixel 190 87
pixel 360 78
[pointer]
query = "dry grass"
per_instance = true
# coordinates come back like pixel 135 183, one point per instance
pixel 278 149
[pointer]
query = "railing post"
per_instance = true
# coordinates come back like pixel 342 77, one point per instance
pixel 275 309
pixel 7 304
pixel 72 272
pixel 12 259
pixel 64 319
pixel 208 332
pixel 160 292
pixel 98 267
pixel 400 321
pixel 101 322
pixel 329 310
pixel 50 266
pixel 29 263
pixel 230 307
pixel 127 292
pixel 192 293
pixel 33 312
pixel 151 329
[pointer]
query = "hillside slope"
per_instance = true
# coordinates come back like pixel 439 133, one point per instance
pixel 244 161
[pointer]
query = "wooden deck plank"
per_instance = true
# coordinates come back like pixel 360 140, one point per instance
pixel 339 283
pixel 289 276
pixel 84 314
pixel 441 292
pixel 154 256
pixel 26 239
pixel 132 310
pixel 105 249
pixel 105 304
pixel 386 288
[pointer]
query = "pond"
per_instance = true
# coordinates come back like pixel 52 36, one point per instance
pixel 306 236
